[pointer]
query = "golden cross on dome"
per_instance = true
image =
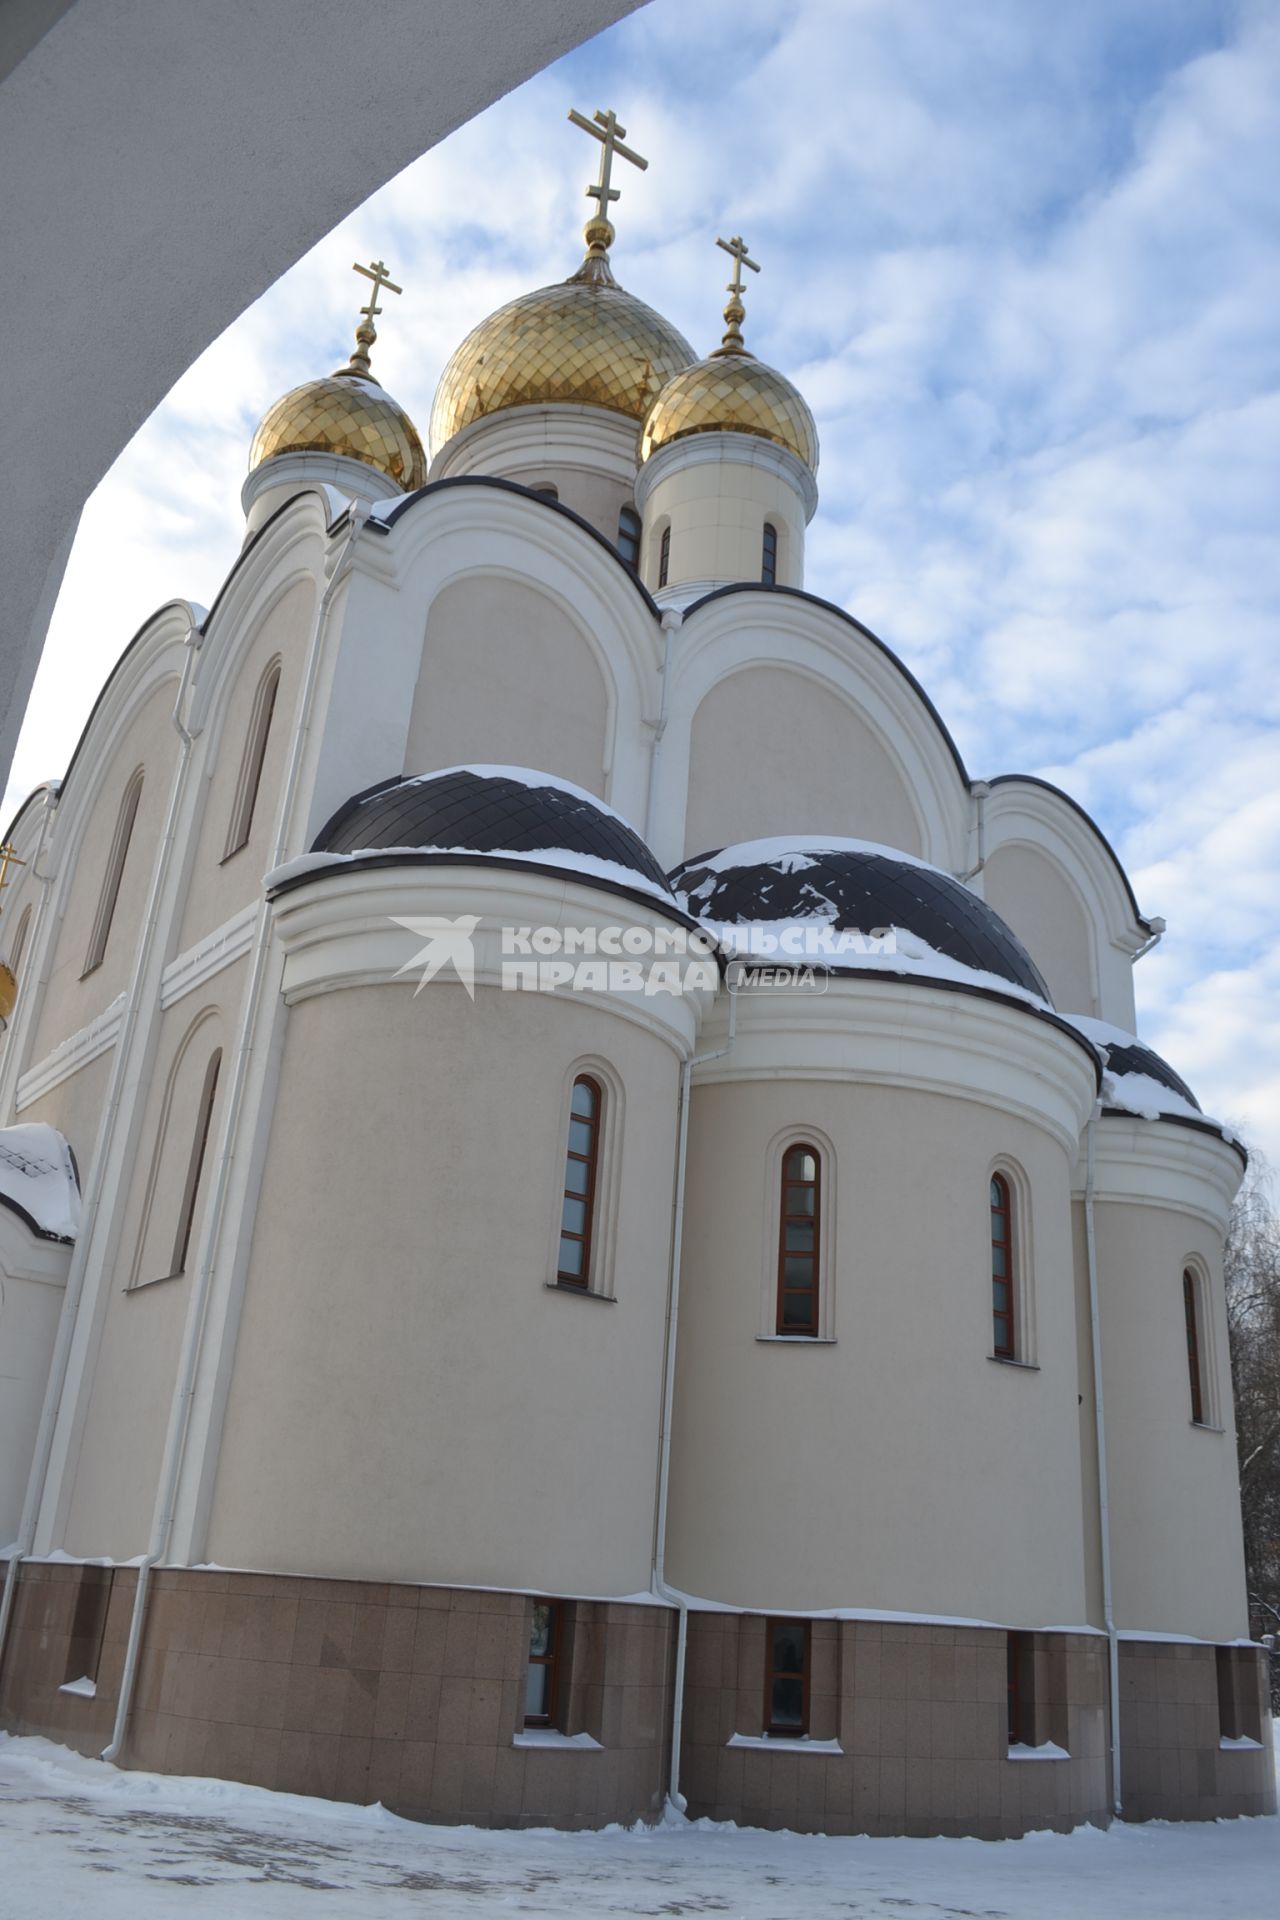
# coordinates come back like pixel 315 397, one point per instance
pixel 609 131
pixel 366 332
pixel 735 312
pixel 8 858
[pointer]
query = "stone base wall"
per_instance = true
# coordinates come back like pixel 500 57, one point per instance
pixel 921 1716
pixel 413 1696
pixel 1172 1763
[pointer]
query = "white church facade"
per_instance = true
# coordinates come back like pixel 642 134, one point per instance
pixel 581 1216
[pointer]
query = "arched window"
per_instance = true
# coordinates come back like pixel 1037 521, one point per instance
pixel 798 1240
pixel 1002 1274
pixel 1195 1368
pixel 581 1178
pixel 255 750
pixel 629 537
pixel 664 556
pixel 195 1164
pixel 114 873
pixel 18 948
pixel 769 555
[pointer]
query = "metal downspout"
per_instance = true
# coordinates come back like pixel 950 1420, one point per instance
pixel 1104 1504
pixel 674 1796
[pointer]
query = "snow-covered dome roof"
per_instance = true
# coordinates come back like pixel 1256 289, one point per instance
pixel 942 932
pixel 515 816
pixel 38 1180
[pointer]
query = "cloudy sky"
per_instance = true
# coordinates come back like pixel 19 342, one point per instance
pixel 1023 260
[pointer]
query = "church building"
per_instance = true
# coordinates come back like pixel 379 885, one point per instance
pixel 583 1224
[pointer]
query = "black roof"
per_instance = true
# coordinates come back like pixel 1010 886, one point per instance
pixel 859 890
pixel 490 811
pixel 1135 1058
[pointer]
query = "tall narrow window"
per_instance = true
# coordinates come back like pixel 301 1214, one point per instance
pixel 114 873
pixel 541 1684
pixel 19 946
pixel 769 555
pixel 255 750
pixel 786 1678
pixel 195 1166
pixel 664 556
pixel 1191 1313
pixel 581 1173
pixel 1020 1688
pixel 629 537
pixel 798 1241
pixel 1002 1277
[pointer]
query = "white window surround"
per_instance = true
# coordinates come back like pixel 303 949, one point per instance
pixel 1025 1352
pixel 113 873
pixel 201 1040
pixel 252 760
pixel 1206 1335
pixel 550 1741
pixel 604 1224
pixel 774 1743
pixel 781 1143
pixel 1046 1751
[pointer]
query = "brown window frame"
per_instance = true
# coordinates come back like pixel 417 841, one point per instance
pixel 195 1165
pixel 773 1672
pixel 550 1660
pixel 769 555
pixel 591 1159
pixel 664 556
pixel 121 839
pixel 630 531
pixel 240 825
pixel 1003 1340
pixel 810 1331
pixel 1195 1363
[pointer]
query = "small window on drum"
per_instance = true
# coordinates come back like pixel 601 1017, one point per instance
pixel 543 1673
pixel 664 556
pixel 1195 1360
pixel 786 1679
pixel 629 537
pixel 798 1241
pixel 581 1180
pixel 769 555
pixel 546 491
pixel 1002 1274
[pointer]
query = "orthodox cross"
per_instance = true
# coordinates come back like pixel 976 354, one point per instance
pixel 8 858
pixel 607 129
pixel 366 332
pixel 735 312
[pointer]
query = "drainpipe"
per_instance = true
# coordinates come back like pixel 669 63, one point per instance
pixel 674 1796
pixel 92 1198
pixel 672 621
pixel 979 789
pixel 1157 927
pixel 1100 1429
pixel 184 1389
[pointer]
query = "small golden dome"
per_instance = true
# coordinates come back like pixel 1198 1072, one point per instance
pixel 583 342
pixel 732 392
pixel 344 414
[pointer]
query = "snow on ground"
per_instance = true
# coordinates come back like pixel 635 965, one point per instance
pixel 77 1836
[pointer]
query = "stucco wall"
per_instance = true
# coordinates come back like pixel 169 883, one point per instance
pixel 900 1467
pixel 404 1240
pixel 488 636
pixel 773 752
pixel 1048 916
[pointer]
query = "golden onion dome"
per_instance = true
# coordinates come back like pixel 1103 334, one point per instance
pixel 348 413
pixel 582 342
pixel 731 391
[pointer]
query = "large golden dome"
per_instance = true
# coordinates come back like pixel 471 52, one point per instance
pixel 344 414
pixel 732 393
pixel 583 342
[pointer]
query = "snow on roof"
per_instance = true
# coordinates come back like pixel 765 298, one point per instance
pixel 585 866
pixel 778 851
pixel 1128 1089
pixel 38 1180
pixel 530 777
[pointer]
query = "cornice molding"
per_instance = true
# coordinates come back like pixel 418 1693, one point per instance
pixel 71 1055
